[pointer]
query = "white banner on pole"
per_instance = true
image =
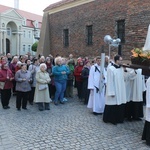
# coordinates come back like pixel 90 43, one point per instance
pixel 102 72
pixel 147 42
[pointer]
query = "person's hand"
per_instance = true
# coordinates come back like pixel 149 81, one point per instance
pixel 23 79
pixel 11 79
pixel 63 72
pixel 47 81
pixel 92 91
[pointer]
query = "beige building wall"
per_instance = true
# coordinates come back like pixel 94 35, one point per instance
pixel 15 37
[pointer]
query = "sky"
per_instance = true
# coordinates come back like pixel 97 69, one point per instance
pixel 33 6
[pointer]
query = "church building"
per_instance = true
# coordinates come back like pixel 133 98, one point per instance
pixel 79 26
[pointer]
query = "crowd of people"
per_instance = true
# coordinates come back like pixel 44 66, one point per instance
pixel 116 92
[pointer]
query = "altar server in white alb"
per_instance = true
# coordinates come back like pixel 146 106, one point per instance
pixel 129 75
pixel 138 89
pixel 115 93
pixel 134 107
pixel 96 98
pixel 146 130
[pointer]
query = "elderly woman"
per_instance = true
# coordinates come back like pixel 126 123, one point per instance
pixel 41 96
pixel 60 73
pixel 12 67
pixel 33 68
pixel 23 78
pixel 6 76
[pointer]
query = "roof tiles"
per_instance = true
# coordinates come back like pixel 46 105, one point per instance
pixel 60 3
pixel 25 14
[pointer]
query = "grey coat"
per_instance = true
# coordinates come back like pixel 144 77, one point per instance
pixel 42 96
pixel 23 86
pixel 33 69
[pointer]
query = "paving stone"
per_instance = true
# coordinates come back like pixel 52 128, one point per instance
pixel 65 127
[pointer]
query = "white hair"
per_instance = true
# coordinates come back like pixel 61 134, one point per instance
pixel 107 57
pixel 15 57
pixel 19 63
pixel 57 59
pixel 43 64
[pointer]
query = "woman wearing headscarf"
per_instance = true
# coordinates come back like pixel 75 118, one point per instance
pixel 7 77
pixel 41 96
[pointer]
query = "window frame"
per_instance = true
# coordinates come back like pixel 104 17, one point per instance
pixel 8 31
pixel 29 34
pixel 29 48
pixel 24 47
pixel 66 37
pixel 89 30
pixel 121 30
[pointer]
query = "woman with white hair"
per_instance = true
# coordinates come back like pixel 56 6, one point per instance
pixel 60 72
pixel 41 96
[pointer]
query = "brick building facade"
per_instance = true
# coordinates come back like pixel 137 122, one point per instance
pixel 80 30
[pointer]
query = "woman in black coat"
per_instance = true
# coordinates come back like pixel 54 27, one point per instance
pixel 85 75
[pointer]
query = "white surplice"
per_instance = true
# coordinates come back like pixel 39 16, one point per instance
pixel 130 76
pixel 138 86
pixel 96 98
pixel 115 91
pixel 148 100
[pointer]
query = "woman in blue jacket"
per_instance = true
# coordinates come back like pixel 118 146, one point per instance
pixel 60 73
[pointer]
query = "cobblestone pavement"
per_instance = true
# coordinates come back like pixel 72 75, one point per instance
pixel 65 127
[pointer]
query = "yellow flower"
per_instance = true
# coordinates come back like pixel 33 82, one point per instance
pixel 138 52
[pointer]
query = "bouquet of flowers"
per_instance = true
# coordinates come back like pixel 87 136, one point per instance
pixel 140 57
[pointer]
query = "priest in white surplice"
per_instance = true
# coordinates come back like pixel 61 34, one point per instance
pixel 146 130
pixel 96 98
pixel 115 93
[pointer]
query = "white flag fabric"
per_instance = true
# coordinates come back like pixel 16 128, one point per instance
pixel 147 42
pixel 102 72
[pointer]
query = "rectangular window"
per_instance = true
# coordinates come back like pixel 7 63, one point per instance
pixel 24 34
pixel 29 48
pixel 24 22
pixel 66 37
pixel 29 34
pixel 121 30
pixel 89 34
pixel 8 31
pixel 24 48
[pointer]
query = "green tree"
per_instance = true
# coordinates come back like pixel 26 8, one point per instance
pixel 34 47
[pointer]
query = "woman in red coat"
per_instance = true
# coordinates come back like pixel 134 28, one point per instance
pixel 78 77
pixel 7 77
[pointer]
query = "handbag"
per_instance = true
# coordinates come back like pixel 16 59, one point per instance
pixel 31 81
pixel 2 84
pixel 42 87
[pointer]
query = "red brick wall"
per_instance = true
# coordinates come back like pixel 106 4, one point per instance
pixel 102 14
